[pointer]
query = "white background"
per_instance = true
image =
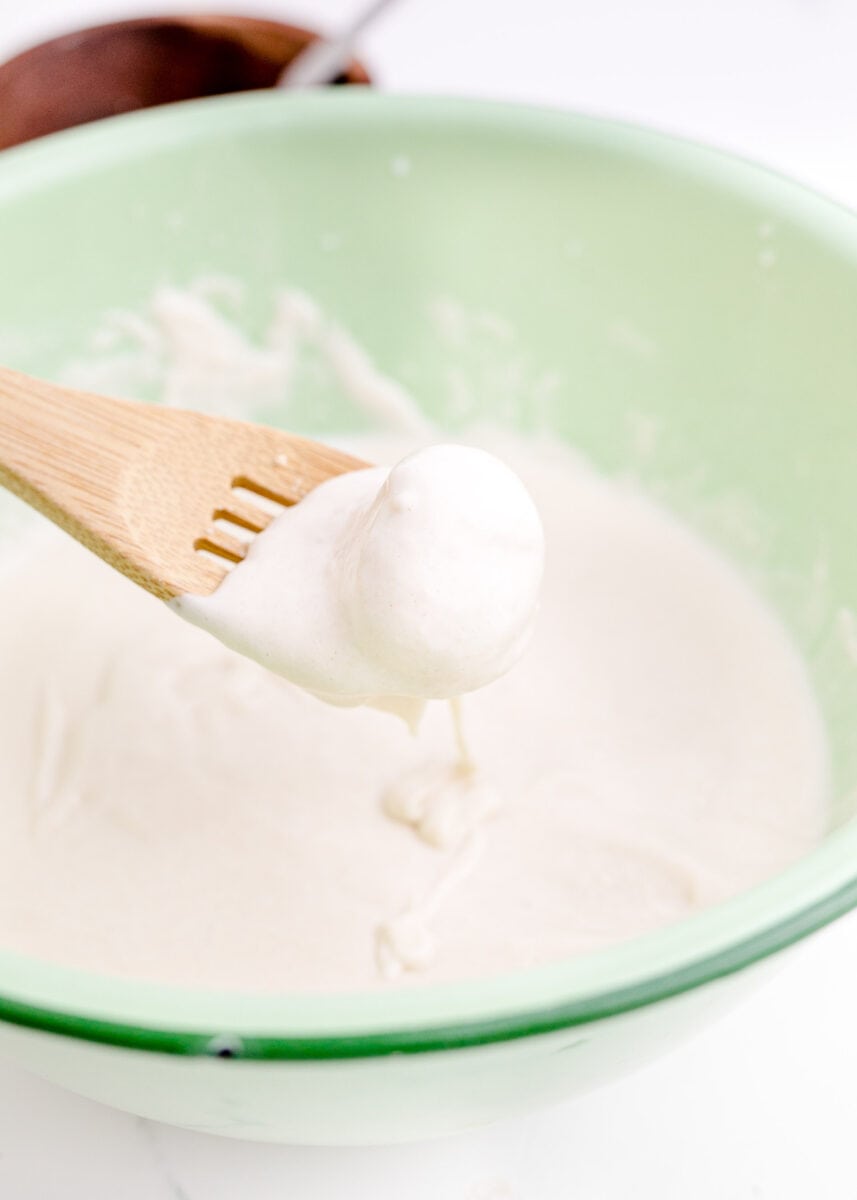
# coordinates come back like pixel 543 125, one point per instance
pixel 764 1106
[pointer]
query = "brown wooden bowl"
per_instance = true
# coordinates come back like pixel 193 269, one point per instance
pixel 127 65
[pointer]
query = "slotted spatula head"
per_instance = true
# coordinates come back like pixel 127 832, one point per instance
pixel 148 488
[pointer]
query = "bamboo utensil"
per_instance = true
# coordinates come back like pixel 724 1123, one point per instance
pixel 153 491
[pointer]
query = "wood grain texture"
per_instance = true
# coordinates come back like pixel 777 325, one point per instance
pixel 143 486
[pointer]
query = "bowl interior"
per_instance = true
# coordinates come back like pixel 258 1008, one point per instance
pixel 681 317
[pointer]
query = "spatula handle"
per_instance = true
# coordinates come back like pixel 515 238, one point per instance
pixel 63 452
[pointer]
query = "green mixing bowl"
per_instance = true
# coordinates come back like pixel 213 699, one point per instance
pixel 679 315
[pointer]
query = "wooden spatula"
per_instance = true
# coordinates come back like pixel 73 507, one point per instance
pixel 147 488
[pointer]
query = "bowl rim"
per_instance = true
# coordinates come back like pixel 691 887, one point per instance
pixel 708 946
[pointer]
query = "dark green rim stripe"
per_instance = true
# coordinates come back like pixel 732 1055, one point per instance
pixel 451 1037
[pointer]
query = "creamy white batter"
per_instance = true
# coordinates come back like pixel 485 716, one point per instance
pixel 172 810
pixel 389 587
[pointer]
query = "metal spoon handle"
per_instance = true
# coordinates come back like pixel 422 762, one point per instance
pixel 326 58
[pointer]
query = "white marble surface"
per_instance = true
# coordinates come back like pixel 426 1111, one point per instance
pixel 763 1106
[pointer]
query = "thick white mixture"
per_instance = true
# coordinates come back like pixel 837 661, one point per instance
pixel 389 587
pixel 173 810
